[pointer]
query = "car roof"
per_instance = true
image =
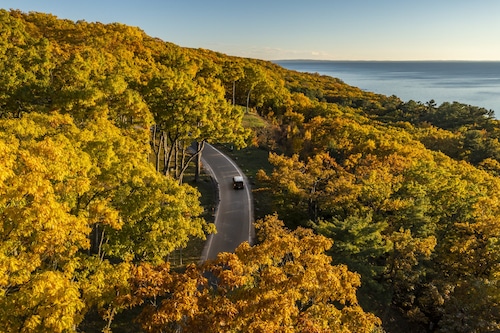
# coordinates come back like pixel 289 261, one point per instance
pixel 237 178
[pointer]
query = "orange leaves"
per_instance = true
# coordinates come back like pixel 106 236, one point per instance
pixel 147 282
pixel 171 297
pixel 228 279
pixel 284 284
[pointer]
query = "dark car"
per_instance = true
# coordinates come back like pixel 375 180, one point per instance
pixel 238 182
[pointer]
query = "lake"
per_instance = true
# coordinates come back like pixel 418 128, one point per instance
pixel 468 82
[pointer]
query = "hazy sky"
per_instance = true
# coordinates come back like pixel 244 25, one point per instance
pixel 303 29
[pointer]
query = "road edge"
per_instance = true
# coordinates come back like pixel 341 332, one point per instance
pixel 251 228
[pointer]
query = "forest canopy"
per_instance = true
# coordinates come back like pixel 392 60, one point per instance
pixel 387 212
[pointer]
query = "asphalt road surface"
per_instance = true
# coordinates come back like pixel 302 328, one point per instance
pixel 234 214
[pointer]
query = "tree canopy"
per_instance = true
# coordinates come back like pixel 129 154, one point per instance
pixel 383 206
pixel 286 283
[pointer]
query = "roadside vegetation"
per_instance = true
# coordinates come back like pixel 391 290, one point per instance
pixel 374 214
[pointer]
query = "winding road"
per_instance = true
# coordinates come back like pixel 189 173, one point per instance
pixel 234 212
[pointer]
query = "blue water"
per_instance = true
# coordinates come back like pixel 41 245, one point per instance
pixel 474 83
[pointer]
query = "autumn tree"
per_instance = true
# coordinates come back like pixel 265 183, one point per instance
pixel 26 63
pixel 401 215
pixel 189 107
pixel 76 207
pixel 232 72
pixel 394 184
pixel 284 284
pixel 40 237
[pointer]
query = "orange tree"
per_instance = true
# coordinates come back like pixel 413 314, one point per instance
pixel 286 283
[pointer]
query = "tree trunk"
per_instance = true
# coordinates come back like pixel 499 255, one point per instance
pixel 156 147
pixel 248 98
pixel 234 92
pixel 199 148
pixel 157 153
pixel 176 159
pixel 183 154
pixel 166 155
pixel 173 143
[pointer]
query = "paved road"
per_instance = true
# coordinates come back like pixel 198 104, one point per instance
pixel 234 214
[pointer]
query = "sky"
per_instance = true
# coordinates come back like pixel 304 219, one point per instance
pixel 300 29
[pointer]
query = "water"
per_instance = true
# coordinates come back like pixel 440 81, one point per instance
pixel 474 83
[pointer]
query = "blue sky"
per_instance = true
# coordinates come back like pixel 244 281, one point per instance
pixel 299 29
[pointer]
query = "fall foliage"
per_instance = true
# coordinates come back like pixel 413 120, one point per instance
pixel 385 207
pixel 286 283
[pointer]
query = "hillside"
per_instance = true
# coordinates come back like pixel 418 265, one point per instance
pixel 387 213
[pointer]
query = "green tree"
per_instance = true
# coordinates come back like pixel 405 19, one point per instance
pixel 191 109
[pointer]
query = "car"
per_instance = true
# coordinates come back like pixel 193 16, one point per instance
pixel 238 182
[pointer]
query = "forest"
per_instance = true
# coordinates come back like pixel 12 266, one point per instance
pixel 383 215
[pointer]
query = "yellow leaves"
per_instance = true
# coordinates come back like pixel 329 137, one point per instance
pixel 408 249
pixel 48 302
pixel 38 227
pixel 100 211
pixel 101 282
pixel 7 147
pixel 58 181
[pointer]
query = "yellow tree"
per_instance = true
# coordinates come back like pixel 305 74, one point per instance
pixel 70 201
pixel 188 106
pixel 284 284
pixel 40 237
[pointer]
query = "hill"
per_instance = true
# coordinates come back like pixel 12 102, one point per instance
pixel 387 211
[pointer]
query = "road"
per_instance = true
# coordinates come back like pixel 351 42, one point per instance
pixel 234 213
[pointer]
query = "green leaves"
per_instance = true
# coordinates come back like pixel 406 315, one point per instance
pixel 411 221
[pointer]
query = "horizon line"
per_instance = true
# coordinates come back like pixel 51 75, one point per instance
pixel 385 60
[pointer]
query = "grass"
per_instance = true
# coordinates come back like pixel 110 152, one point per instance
pixel 252 120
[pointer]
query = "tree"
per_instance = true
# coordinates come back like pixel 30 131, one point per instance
pixel 76 207
pixel 232 72
pixel 26 63
pixel 190 109
pixel 284 284
pixel 40 237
